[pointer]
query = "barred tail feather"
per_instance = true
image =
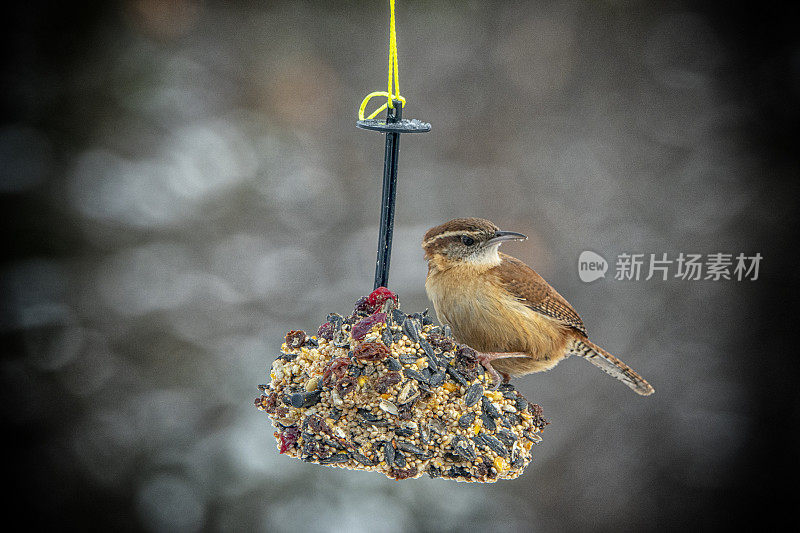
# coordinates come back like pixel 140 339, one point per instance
pixel 611 365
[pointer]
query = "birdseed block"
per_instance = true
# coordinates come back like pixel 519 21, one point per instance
pixel 393 393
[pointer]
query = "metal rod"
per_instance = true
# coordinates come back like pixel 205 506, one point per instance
pixel 388 198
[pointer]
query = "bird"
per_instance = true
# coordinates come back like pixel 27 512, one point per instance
pixel 503 309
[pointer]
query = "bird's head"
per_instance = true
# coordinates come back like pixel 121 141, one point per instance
pixel 466 241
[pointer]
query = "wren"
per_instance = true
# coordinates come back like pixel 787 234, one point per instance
pixel 503 309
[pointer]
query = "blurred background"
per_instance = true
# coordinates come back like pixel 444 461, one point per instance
pixel 182 183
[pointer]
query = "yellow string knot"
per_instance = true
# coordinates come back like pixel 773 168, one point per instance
pixel 393 91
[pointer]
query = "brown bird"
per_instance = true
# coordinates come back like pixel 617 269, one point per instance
pixel 503 309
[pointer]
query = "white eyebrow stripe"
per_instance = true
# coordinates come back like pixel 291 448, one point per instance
pixel 450 234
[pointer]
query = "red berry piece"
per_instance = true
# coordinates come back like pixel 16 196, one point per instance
pixel 363 307
pixel 289 438
pixel 371 351
pixel 379 296
pixel 326 331
pixel 362 327
pixel 295 339
pixel 335 370
pixel 383 383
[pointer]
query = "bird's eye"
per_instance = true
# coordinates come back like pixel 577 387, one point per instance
pixel 468 241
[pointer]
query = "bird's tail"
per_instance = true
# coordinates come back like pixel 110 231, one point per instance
pixel 610 365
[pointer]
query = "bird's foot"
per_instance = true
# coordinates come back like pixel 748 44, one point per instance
pixel 486 358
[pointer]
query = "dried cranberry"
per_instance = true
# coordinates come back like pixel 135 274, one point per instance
pixel 379 296
pixel 362 327
pixel 538 420
pixel 466 362
pixel 335 370
pixel 295 339
pixel 316 424
pixel 363 307
pixel 374 302
pixel 405 474
pixel 289 438
pixel 440 341
pixel 465 352
pixel 267 403
pixel 383 383
pixel 371 351
pixel 326 331
pixel 345 386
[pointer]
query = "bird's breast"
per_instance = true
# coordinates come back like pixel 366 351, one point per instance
pixel 488 318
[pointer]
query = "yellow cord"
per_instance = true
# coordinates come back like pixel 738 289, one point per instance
pixel 394 75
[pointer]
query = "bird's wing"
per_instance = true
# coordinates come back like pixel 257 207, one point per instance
pixel 530 288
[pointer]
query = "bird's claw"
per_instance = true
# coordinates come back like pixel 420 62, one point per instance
pixel 486 361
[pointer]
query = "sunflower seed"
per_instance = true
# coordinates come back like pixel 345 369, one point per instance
pixel 304 399
pixel 466 420
pixel 410 448
pixel 411 329
pixel 473 394
pixel 521 404
pixel 433 362
pixel 495 445
pixel 413 374
pixel 436 379
pixel 488 407
pixel 393 364
pixel 408 359
pixel 363 459
pixel 479 441
pixel 399 459
pixel 506 437
pixel 335 458
pixel 398 316
pixel 531 436
pixel 456 375
pixel 488 422
pixel 404 432
pixel 388 407
pixel 463 448
pixel 425 434
pixel 388 453
pixel 367 416
pixel 386 337
pixel 407 393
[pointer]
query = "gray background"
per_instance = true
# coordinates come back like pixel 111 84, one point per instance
pixel 186 184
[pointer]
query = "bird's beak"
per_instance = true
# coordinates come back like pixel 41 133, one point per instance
pixel 503 236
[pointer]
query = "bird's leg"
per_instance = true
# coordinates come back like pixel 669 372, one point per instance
pixel 486 358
